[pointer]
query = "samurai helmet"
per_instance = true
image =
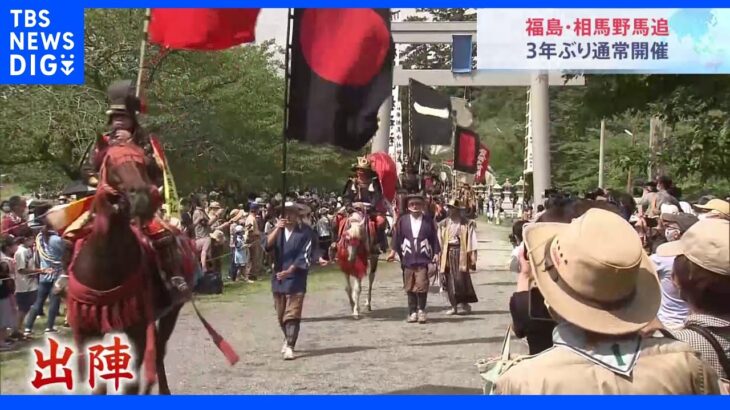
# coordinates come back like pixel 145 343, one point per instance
pixel 122 99
pixel 362 163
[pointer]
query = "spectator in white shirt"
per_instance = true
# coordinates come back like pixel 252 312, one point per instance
pixel 26 278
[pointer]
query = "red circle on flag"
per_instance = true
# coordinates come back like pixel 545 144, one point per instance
pixel 344 46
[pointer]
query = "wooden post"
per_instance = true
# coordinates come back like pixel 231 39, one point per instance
pixel 143 50
pixel 652 142
pixel 600 153
pixel 628 178
pixel 287 77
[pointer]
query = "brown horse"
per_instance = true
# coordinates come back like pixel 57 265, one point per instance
pixel 114 277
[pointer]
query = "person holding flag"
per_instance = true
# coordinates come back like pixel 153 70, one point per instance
pixel 124 106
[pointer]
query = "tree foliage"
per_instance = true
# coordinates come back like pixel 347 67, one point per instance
pixel 220 117
pixel 219 114
pixel 692 144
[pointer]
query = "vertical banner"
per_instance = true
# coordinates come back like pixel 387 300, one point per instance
pixel 172 201
pixel 482 164
pixel 466 150
pixel 41 45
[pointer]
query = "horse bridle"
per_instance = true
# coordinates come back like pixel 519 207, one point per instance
pixel 132 155
pixel 129 154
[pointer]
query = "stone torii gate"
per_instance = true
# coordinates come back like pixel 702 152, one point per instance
pixel 422 32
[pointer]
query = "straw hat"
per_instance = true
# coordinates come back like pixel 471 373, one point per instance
pixel 218 236
pixel 304 209
pixel 290 206
pixel 416 195
pixel 455 203
pixel 594 273
pixel 214 205
pixel 236 215
pixel 718 205
pixel 706 243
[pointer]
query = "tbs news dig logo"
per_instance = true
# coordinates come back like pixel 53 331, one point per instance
pixel 38 48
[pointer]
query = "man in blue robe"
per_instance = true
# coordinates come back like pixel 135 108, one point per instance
pixel 415 240
pixel 291 243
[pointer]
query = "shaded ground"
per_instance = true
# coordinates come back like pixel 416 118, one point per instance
pixel 379 354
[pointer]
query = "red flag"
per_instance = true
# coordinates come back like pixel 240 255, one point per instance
pixel 341 72
pixel 482 164
pixel 466 150
pixel 202 29
pixel 385 167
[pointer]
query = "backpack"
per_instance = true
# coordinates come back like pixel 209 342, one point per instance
pixel 210 284
pixel 7 286
pixel 719 351
pixel 491 369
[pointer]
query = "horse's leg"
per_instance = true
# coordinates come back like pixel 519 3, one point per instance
pixel 356 290
pixel 165 329
pixel 82 361
pixel 137 336
pixel 348 290
pixel 371 278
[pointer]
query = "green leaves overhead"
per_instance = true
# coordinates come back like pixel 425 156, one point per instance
pixel 219 114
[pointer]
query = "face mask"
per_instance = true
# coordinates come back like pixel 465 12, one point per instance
pixel 672 234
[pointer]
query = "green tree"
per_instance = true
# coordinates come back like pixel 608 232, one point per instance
pixel 219 114
pixel 694 110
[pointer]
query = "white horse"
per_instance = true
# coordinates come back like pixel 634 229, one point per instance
pixel 356 257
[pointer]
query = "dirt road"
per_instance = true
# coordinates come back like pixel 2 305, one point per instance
pixel 379 354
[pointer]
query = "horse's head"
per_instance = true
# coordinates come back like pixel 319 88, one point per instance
pixel 354 234
pixel 125 187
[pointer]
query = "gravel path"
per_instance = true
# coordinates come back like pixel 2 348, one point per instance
pixel 379 354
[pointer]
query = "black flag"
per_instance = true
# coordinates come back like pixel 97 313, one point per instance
pixel 341 72
pixel 430 115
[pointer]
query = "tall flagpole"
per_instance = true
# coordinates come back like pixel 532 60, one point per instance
pixel 287 78
pixel 143 51
pixel 140 72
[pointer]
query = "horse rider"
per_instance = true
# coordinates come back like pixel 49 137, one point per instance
pixel 409 179
pixel 124 128
pixel 364 187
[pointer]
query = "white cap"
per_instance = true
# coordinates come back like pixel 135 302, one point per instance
pixel 669 209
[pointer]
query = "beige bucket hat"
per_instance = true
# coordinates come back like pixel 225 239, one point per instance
pixel 706 243
pixel 594 273
pixel 717 205
pixel 218 236
pixel 236 215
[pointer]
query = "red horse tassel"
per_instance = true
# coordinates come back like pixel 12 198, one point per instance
pixel 354 265
pixel 219 341
pixel 115 309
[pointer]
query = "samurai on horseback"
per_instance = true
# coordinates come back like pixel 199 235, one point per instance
pixel 129 268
